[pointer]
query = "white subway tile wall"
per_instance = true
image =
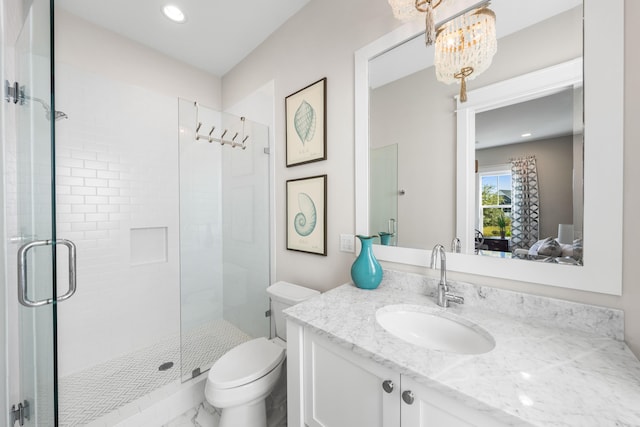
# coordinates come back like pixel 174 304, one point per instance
pixel 116 170
pixel 118 197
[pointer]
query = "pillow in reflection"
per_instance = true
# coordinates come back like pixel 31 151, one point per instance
pixel 550 247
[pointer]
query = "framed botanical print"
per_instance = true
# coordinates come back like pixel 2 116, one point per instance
pixel 306 124
pixel 307 215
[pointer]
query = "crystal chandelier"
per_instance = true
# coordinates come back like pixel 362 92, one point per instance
pixel 465 47
pixel 406 10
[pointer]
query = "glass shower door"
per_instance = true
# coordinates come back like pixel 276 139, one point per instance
pixel 384 191
pixel 224 235
pixel 34 207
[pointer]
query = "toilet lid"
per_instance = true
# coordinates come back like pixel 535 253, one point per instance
pixel 245 363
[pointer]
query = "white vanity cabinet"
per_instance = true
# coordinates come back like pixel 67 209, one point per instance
pixel 330 386
pixel 431 409
pixel 343 390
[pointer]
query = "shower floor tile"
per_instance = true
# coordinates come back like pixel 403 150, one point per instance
pixel 115 385
pixel 202 346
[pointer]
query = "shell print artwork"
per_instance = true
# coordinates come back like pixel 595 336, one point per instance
pixel 305 220
pixel 305 122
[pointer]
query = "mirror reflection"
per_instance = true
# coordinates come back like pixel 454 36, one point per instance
pixel 413 139
pixel 527 190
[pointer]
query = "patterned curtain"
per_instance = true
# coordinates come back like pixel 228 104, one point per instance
pixel 525 203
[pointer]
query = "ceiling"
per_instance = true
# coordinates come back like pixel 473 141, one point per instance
pixel 216 36
pixel 547 117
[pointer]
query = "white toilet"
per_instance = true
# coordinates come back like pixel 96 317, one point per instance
pixel 239 382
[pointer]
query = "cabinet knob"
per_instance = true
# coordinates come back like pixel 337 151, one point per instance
pixel 407 396
pixel 387 386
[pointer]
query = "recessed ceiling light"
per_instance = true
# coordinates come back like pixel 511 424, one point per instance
pixel 525 135
pixel 174 13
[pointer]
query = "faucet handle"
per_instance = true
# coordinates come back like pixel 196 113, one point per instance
pixel 454 298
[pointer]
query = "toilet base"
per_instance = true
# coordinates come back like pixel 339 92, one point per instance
pixel 252 415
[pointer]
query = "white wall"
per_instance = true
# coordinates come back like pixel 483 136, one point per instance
pixel 630 301
pixel 102 52
pixel 416 113
pixel 260 107
pixel 317 42
pixel 117 171
pixel 320 41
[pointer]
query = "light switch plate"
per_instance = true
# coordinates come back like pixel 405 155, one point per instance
pixel 347 243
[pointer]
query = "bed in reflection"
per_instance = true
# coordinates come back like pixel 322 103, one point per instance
pixel 551 250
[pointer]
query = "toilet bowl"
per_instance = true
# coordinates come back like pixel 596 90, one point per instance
pixel 239 382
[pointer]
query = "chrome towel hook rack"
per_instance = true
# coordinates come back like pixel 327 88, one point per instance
pixel 209 137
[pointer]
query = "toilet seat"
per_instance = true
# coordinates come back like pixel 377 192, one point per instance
pixel 245 363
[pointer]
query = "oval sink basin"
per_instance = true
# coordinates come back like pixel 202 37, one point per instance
pixel 435 330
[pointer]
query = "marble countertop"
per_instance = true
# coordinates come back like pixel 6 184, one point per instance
pixel 540 373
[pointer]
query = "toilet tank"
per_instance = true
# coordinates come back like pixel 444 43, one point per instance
pixel 284 295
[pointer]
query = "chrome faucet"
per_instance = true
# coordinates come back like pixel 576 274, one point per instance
pixel 456 245
pixel 444 296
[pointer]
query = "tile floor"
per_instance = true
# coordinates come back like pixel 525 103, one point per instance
pixel 202 416
pixel 99 391
pixel 205 415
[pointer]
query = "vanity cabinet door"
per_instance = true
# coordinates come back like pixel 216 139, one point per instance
pixel 423 407
pixel 344 390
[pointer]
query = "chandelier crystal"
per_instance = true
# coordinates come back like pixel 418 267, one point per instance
pixel 404 10
pixel 465 47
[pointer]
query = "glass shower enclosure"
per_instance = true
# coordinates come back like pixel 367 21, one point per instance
pixel 31 219
pixel 172 234
pixel 173 244
pixel 224 234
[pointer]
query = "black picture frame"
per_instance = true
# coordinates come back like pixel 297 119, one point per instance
pixel 306 124
pixel 306 200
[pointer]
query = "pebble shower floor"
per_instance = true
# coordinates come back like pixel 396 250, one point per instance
pixel 102 389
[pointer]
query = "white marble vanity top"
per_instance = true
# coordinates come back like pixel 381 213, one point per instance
pixel 540 372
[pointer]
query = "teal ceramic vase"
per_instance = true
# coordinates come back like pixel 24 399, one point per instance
pixel 385 238
pixel 366 271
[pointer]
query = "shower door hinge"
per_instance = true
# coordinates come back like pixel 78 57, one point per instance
pixel 267 313
pixel 267 150
pixel 14 92
pixel 19 413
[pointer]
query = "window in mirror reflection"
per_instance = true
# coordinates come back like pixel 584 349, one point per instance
pixel 543 132
pixel 495 203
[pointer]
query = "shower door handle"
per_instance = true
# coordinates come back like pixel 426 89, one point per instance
pixel 22 272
